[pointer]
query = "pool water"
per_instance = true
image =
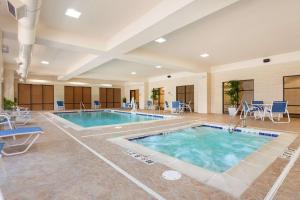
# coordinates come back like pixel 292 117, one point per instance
pixel 102 118
pixel 210 148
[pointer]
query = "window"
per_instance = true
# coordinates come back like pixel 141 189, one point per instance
pixel 185 94
pixel 246 93
pixel 291 93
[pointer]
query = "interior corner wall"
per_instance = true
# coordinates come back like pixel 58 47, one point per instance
pixel 199 81
pixel 268 82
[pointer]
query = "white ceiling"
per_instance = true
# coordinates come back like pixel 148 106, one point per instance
pixel 245 30
pixel 121 70
pixel 60 60
pixel 100 19
pixel 230 31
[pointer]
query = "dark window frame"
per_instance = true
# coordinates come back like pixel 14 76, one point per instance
pixel 283 92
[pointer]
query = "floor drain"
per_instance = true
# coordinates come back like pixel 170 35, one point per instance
pixel 288 153
pixel 171 175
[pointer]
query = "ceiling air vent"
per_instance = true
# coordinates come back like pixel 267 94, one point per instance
pixel 16 8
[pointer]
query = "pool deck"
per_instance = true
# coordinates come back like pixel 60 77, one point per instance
pixel 82 164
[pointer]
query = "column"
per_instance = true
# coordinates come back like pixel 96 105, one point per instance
pixel 1 69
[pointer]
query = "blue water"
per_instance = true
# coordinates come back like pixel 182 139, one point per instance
pixel 210 148
pixel 102 118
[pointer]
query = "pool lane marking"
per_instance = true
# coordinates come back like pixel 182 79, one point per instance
pixel 137 129
pixel 110 163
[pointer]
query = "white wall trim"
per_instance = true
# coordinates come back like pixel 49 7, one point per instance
pixel 275 59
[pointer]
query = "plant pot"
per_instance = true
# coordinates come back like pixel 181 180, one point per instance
pixel 232 111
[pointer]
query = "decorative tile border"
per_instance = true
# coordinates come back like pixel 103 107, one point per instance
pixel 143 158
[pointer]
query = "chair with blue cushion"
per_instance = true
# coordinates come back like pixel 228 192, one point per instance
pixel 128 105
pixel 97 104
pixel 176 107
pixel 149 105
pixel 32 132
pixel 167 106
pixel 1 147
pixel 257 112
pixel 277 111
pixel 60 105
pixel 258 104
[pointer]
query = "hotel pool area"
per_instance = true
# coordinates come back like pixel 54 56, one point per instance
pixel 211 148
pixel 106 117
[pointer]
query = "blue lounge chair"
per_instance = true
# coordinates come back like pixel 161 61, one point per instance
pixel 5 120
pixel 60 105
pixel 149 105
pixel 128 106
pixel 176 107
pixel 278 109
pixel 258 104
pixel 1 147
pixel 167 106
pixel 256 111
pixel 97 104
pixel 33 132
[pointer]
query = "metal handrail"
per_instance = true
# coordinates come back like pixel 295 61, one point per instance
pixel 82 106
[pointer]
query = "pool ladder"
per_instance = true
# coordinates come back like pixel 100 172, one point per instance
pixel 82 106
pixel 241 121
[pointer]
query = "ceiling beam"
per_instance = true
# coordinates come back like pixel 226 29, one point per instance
pixel 165 62
pixel 165 18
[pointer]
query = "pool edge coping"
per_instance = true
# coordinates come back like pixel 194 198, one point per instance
pixel 233 180
pixel 80 128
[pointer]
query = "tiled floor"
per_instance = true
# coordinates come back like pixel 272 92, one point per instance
pixel 59 166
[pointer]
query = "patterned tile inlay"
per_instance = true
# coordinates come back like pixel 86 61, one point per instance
pixel 288 154
pixel 140 157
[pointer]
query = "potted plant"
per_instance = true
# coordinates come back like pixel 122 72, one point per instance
pixel 233 93
pixel 9 104
pixel 154 94
pixel 124 102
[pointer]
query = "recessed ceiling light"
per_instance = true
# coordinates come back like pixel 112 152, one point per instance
pixel 133 73
pixel 44 62
pixel 158 66
pixel 72 13
pixel 160 40
pixel 204 55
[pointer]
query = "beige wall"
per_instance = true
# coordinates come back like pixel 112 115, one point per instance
pixel 268 82
pixel 200 82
